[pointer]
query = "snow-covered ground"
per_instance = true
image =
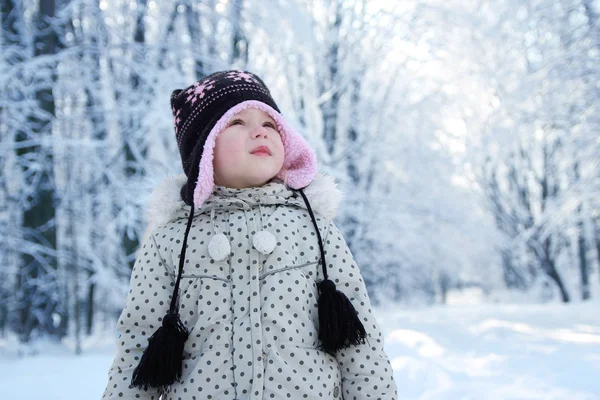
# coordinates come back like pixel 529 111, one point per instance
pixel 460 352
pixel 496 352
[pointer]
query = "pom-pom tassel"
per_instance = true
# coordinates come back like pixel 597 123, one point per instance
pixel 160 365
pixel 339 326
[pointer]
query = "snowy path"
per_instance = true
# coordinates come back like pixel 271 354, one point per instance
pixel 477 352
pixel 496 352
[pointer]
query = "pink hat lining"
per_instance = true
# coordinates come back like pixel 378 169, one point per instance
pixel 300 160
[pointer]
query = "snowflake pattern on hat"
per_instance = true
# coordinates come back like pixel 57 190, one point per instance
pixel 197 91
pixel 241 75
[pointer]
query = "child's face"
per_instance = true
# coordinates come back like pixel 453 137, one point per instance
pixel 235 164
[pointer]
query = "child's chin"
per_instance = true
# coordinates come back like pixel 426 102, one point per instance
pixel 262 178
pixel 262 172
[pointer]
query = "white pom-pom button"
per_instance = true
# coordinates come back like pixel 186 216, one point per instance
pixel 219 247
pixel 264 241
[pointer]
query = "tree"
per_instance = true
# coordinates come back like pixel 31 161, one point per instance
pixel 34 288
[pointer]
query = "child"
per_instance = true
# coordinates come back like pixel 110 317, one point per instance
pixel 243 288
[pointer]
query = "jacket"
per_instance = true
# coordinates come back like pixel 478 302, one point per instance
pixel 252 314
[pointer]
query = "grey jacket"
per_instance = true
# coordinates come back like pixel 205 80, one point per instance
pixel 251 306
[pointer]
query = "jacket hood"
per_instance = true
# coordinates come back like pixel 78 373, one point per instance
pixel 166 205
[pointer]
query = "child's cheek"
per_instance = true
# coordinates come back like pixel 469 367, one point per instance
pixel 228 148
pixel 280 151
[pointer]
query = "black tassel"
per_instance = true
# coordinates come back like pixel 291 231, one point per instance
pixel 339 326
pixel 160 365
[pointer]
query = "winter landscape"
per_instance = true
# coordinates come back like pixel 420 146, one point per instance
pixel 464 134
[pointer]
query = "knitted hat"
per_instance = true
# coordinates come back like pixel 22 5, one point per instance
pixel 203 110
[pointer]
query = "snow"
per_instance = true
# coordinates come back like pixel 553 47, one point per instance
pixel 496 352
pixel 519 351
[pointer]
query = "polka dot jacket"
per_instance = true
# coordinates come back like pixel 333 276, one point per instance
pixel 252 314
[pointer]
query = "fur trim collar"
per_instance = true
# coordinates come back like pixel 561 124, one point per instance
pixel 165 202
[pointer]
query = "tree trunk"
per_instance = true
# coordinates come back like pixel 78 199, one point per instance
pixel 563 291
pixel 75 274
pixel 212 39
pixel 584 273
pixel 444 283
pixel 90 306
pixel 549 192
pixel 331 86
pixel 13 45
pixel 550 268
pixel 164 46
pixel 39 216
pixel 301 88
pixel 132 122
pixel 352 222
pixel 192 18
pixel 239 43
pixel 139 38
pixel 583 266
pixel 353 131
pixel 598 251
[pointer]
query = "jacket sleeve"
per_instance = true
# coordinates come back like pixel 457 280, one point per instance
pixel 366 370
pixel 147 301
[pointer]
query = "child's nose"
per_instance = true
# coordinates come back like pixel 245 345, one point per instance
pixel 258 131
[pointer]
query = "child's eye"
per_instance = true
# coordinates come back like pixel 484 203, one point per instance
pixel 270 125
pixel 236 122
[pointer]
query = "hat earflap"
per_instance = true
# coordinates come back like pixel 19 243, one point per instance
pixel 339 325
pixel 160 365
